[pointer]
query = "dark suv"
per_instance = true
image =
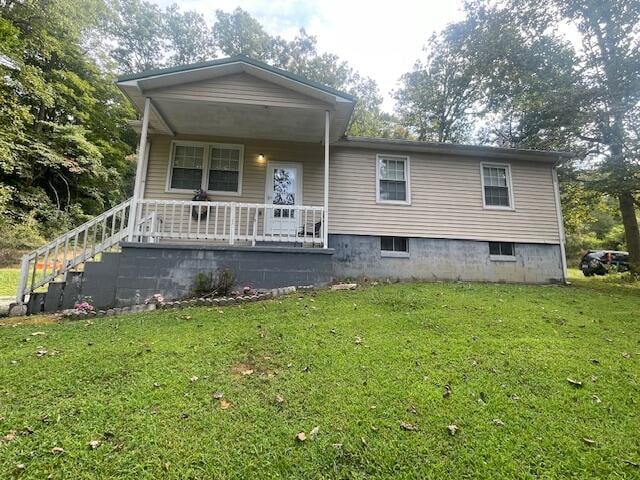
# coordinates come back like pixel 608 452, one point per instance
pixel 599 262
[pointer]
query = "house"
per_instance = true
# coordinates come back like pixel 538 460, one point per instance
pixel 291 200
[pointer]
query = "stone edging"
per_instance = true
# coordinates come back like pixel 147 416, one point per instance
pixel 75 314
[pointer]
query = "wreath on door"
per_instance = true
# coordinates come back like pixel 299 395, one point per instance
pixel 199 213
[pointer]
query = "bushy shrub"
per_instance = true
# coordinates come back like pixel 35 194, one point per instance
pixel 219 283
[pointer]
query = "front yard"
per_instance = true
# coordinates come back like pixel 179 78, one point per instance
pixel 382 371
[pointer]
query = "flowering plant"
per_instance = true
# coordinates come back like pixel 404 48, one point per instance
pixel 84 307
pixel 155 298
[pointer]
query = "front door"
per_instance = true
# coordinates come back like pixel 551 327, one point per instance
pixel 283 187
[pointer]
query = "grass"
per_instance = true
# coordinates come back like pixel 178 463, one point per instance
pixel 9 281
pixel 506 352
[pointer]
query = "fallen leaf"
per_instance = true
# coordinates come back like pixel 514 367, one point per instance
pixel 306 369
pixel 248 371
pixel 93 444
pixel 453 429
pixel 9 437
pixel 279 400
pixel 632 464
pixel 589 441
pixel 364 441
pixel 498 423
pixel 157 385
pixel 224 405
pixel 408 427
pixel 314 433
pixel 596 398
pixel 35 334
pixel 166 466
pixel 333 330
pixel 594 378
pixel 337 446
pixel 575 383
pixel 20 467
pixel 217 395
pixel 194 379
pixel 301 437
pixel 595 361
pixel 412 409
pixel 358 340
pixel 57 450
pixel 626 355
pixel 41 353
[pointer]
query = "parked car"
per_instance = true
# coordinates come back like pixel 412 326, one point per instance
pixel 600 262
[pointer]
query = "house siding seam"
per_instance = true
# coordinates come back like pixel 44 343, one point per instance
pixel 446 192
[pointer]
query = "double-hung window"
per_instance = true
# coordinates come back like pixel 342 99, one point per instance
pixel 502 251
pixel 224 169
pixel 496 186
pixel 213 167
pixel 394 246
pixel 187 164
pixel 393 179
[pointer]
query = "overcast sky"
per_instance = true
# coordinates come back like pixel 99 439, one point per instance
pixel 380 40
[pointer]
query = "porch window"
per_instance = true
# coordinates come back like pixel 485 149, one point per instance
pixel 496 186
pixel 186 168
pixel 224 169
pixel 393 179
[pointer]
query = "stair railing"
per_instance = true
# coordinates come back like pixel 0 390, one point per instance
pixel 73 248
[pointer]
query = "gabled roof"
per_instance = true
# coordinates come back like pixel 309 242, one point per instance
pixel 158 72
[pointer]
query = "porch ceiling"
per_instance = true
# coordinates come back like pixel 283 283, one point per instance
pixel 243 121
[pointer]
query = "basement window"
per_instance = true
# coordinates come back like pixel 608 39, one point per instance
pixel 394 246
pixel 502 251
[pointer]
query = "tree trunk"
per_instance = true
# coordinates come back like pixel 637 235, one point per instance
pixel 631 231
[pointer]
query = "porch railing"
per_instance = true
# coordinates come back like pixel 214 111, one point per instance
pixel 68 251
pixel 229 222
pixel 158 220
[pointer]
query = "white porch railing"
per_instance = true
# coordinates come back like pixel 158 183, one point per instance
pixel 83 243
pixel 229 222
pixel 158 220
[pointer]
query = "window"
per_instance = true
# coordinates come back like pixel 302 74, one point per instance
pixel 224 170
pixel 393 179
pixel 394 246
pixel 496 184
pixel 187 165
pixel 502 250
pixel 216 168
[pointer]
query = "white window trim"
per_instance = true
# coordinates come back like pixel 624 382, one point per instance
pixel 206 166
pixel 502 258
pixel 395 253
pixel 512 205
pixel 407 176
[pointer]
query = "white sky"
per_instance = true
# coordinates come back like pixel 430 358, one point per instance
pixel 380 40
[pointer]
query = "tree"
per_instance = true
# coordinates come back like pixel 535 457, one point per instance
pixel 64 138
pixel 189 37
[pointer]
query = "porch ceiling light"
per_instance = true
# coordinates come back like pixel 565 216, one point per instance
pixel 261 157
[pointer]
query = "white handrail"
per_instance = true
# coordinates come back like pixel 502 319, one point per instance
pixel 76 247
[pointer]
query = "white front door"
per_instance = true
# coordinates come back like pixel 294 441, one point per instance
pixel 283 187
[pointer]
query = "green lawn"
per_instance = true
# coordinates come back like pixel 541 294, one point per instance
pixel 506 352
pixel 9 281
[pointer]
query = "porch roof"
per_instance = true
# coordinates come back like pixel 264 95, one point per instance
pixel 238 97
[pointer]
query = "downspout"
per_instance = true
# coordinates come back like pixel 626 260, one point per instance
pixel 140 169
pixel 556 194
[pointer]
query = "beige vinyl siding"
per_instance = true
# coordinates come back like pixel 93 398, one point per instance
pixel 446 199
pixel 311 157
pixel 446 191
pixel 239 88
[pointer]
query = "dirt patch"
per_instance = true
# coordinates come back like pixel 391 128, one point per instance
pixel 29 320
pixel 244 369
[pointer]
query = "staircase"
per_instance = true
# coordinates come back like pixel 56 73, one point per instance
pixel 61 263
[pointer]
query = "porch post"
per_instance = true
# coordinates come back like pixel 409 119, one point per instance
pixel 325 229
pixel 140 168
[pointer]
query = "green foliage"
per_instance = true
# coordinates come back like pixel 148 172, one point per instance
pixel 219 283
pixel 64 137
